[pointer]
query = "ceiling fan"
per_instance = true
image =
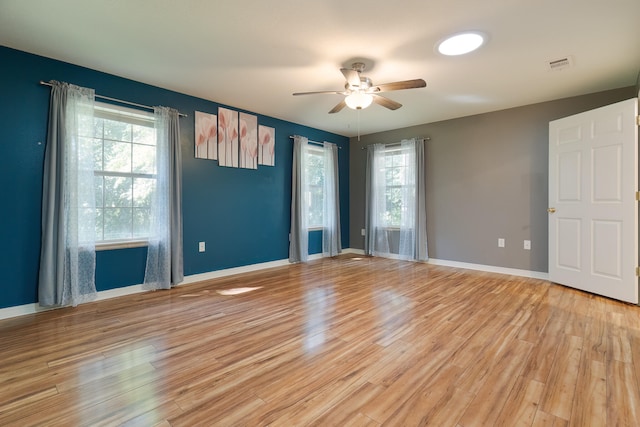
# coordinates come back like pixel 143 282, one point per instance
pixel 360 92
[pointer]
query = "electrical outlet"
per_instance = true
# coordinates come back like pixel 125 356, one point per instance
pixel 527 245
pixel 201 247
pixel 363 232
pixel 501 242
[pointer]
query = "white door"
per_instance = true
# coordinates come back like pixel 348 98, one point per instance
pixel 593 212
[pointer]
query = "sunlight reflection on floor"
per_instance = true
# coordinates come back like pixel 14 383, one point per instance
pixel 319 304
pixel 236 291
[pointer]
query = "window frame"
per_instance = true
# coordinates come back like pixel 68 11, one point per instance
pixel 314 150
pixel 395 151
pixel 131 116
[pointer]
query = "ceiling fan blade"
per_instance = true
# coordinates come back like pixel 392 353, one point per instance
pixel 406 84
pixel 335 92
pixel 386 102
pixel 352 76
pixel 338 107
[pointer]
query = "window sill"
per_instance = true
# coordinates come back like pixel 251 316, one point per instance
pixel 315 228
pixel 120 244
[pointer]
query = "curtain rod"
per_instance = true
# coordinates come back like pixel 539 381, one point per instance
pixel 393 144
pixel 117 100
pixel 314 142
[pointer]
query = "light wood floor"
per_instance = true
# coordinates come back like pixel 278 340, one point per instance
pixel 345 342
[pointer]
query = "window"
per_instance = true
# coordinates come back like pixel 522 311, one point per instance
pixel 124 172
pixel 314 174
pixel 396 201
pixel 396 166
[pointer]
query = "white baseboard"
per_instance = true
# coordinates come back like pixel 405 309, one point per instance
pixel 470 266
pixel 491 269
pixel 194 278
pixel 21 310
pixel 353 251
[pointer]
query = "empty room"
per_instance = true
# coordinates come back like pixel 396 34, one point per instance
pixel 415 213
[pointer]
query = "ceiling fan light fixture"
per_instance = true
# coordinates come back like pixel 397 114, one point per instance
pixel 358 100
pixel 461 43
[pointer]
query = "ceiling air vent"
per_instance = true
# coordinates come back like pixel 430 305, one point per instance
pixel 560 64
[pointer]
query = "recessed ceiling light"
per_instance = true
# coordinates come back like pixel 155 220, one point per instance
pixel 461 43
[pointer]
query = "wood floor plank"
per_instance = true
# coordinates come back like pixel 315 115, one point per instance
pixel 292 400
pixel 361 420
pixel 619 343
pixel 543 419
pixel 477 371
pixel 347 410
pixel 229 409
pixel 497 386
pixel 560 387
pixel 596 340
pixel 423 406
pixel 535 324
pixel 395 360
pixel 521 404
pixel 623 400
pixel 62 407
pixel 546 346
pixel 12 403
pixel 409 383
pixel 590 403
pixel 349 341
pixel 634 336
pixel 156 416
pixel 323 400
pixel 134 404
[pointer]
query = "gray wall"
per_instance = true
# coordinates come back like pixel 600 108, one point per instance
pixel 486 179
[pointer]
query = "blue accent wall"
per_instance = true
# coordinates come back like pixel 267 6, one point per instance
pixel 242 215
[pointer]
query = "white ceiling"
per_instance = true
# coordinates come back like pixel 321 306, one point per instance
pixel 253 54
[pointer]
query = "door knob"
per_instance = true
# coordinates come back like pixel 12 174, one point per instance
pixel 551 210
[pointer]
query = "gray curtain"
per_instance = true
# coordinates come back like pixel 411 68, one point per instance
pixel 369 222
pixel 331 238
pixel 175 161
pixel 164 267
pixel 421 252
pixel 67 253
pixel 299 234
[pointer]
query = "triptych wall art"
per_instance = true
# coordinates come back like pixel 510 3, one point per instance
pixel 234 139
